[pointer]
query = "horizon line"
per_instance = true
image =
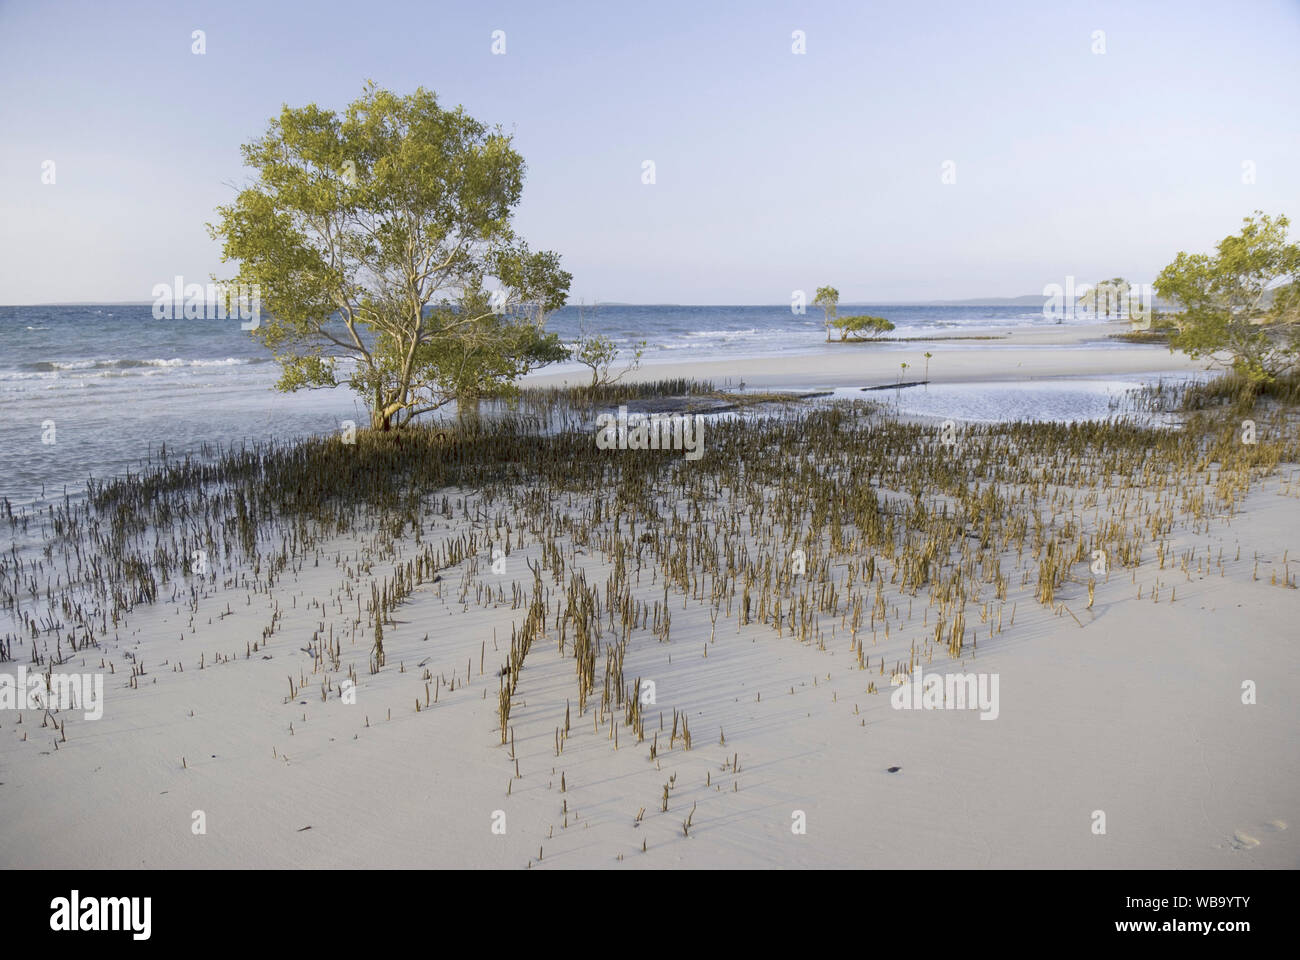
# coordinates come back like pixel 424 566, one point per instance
pixel 993 301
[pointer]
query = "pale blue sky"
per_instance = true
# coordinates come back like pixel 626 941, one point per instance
pixel 775 171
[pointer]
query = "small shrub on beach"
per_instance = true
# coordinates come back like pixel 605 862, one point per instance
pixel 861 327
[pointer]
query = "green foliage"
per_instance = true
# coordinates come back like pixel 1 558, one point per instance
pixel 828 299
pixel 599 353
pixel 1113 295
pixel 1241 305
pixel 378 238
pixel 861 327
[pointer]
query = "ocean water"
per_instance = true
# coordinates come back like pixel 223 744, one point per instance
pixel 92 390
pixel 675 333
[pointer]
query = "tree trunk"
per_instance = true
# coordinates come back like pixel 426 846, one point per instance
pixel 467 410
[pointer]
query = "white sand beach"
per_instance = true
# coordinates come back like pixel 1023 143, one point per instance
pixel 1128 707
pixel 1077 350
